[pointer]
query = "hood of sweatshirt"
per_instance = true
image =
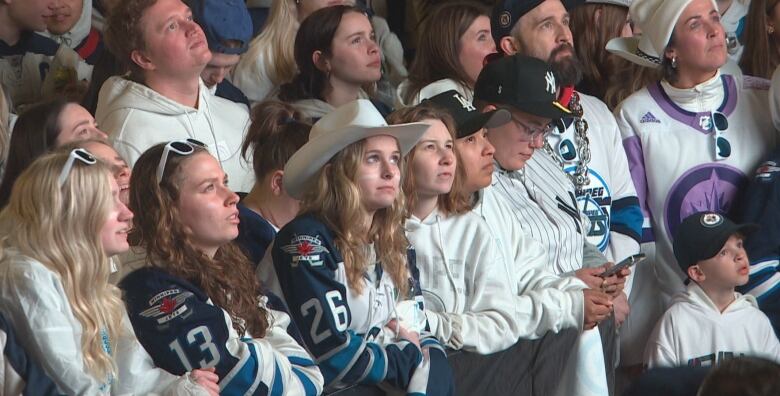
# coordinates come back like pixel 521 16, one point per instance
pixel 695 296
pixel 79 31
pixel 120 93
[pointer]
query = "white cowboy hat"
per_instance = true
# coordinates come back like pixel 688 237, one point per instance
pixel 347 124
pixel 656 18
pixel 622 3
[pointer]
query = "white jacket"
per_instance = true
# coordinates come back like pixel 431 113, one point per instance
pixel 467 295
pixel 136 117
pixel 33 298
pixel 694 332
pixel 73 37
pixel 545 300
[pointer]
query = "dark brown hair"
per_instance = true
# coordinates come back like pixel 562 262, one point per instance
pixel 591 39
pixel 35 133
pixel 762 53
pixel 228 278
pixel 439 45
pixel 124 32
pixel 278 130
pixel 315 34
pixel 453 202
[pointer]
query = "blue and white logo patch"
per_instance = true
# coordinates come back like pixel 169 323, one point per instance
pixel 307 249
pixel 767 171
pixel 596 203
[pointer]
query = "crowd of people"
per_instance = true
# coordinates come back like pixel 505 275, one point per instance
pixel 305 197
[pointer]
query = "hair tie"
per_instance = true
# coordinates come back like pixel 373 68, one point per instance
pixel 289 120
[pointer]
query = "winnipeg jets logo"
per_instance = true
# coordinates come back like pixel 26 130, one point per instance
pixel 305 248
pixel 710 220
pixel 171 304
pixel 549 78
pixel 464 103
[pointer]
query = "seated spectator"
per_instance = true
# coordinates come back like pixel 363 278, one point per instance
pixel 70 24
pixel 594 24
pixel 228 30
pixel 338 58
pixel 277 131
pixel 164 98
pixel 761 50
pixel 198 283
pixel 710 322
pixel 454 40
pixel 104 151
pixel 34 67
pixel 468 297
pixel 342 263
pixel 66 220
pixel 40 129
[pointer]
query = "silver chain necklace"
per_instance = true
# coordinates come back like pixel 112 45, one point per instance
pixel 580 176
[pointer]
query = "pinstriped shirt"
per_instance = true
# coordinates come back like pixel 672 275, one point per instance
pixel 543 202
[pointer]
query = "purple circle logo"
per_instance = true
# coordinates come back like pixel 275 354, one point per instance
pixel 706 188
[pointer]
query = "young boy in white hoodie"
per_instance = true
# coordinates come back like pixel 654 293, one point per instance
pixel 710 322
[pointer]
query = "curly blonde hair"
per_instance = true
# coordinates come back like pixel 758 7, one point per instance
pixel 335 200
pixel 60 228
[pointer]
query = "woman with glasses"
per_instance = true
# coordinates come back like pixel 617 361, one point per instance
pixel 197 303
pixel 65 219
pixel 692 139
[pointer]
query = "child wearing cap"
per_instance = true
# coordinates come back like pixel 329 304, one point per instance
pixel 709 321
pixel 342 266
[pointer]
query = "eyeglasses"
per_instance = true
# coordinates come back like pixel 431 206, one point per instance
pixel 181 147
pixel 76 154
pixel 718 125
pixel 533 132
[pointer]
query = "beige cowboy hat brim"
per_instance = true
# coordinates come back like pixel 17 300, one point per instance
pixel 627 48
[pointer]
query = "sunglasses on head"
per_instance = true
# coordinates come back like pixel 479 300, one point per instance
pixel 76 154
pixel 722 146
pixel 180 147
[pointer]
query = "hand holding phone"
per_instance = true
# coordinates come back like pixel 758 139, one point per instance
pixel 628 262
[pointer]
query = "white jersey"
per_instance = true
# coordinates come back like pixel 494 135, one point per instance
pixel 545 206
pixel 669 140
pixel 733 21
pixel 609 199
pixel 694 332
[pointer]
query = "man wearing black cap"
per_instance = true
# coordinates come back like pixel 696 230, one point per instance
pixel 591 151
pixel 541 198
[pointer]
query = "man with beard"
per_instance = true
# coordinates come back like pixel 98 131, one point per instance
pixel 586 145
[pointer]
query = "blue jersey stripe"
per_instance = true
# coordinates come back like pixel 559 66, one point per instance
pixel 278 385
pixel 244 378
pixel 376 372
pixel 308 386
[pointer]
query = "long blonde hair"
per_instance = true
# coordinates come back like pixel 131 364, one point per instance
pixel 277 41
pixel 335 200
pixel 60 228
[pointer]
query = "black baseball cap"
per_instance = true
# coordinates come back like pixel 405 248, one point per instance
pixel 468 119
pixel 702 235
pixel 506 13
pixel 524 83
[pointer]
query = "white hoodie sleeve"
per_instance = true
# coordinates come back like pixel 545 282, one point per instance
pixel 660 351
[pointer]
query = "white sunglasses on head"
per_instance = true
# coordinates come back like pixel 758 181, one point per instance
pixel 181 147
pixel 76 154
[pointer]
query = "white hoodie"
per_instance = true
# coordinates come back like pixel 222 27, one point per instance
pixel 136 118
pixel 73 37
pixel 467 295
pixel 694 332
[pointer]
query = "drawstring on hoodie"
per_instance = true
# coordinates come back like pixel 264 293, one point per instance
pixel 446 264
pixel 211 128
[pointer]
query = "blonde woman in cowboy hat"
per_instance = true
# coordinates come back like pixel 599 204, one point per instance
pixel 691 138
pixel 341 265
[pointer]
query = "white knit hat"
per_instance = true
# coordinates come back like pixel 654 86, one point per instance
pixel 656 18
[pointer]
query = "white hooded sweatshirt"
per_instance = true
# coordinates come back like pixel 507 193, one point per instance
pixel 136 118
pixel 73 37
pixel 694 332
pixel 468 298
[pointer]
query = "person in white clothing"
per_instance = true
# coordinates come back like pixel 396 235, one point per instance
pixel 71 25
pixel 709 322
pixel 164 97
pixel 691 140
pixel 454 41
pixel 65 220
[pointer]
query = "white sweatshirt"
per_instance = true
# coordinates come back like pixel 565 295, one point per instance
pixel 694 332
pixel 136 118
pixel 468 298
pixel 79 31
pixel 33 298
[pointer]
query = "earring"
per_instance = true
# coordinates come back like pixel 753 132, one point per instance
pixel 770 29
pixel 674 62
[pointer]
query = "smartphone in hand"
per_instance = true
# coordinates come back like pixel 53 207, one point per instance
pixel 626 263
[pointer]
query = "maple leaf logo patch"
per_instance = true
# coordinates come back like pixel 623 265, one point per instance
pixel 306 249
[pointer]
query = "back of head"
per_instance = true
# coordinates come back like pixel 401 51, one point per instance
pixel 315 34
pixel 158 228
pixel 124 33
pixel 438 47
pixel 275 44
pixel 34 134
pixel 743 376
pixel 760 56
pixel 278 130
pixel 59 226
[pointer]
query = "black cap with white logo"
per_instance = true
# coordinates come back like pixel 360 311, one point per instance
pixel 524 83
pixel 468 119
pixel 506 13
pixel 702 235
